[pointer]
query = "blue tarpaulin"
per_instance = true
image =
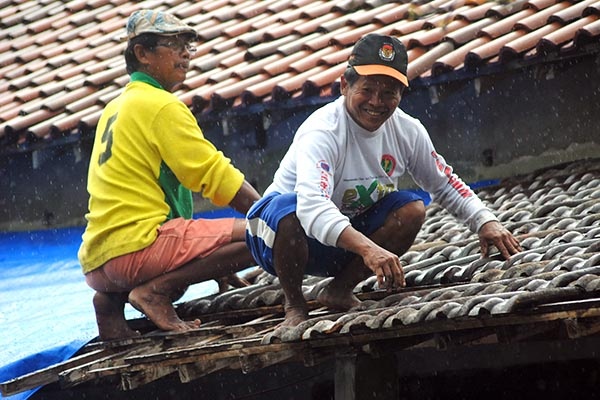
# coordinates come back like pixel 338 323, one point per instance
pixel 46 310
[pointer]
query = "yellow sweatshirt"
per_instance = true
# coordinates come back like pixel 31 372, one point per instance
pixel 148 153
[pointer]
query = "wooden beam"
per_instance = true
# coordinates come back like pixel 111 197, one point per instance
pixel 48 375
pixel 133 379
pixel 579 327
pixel 192 371
pixel 427 361
pixel 360 376
pixel 345 377
pixel 254 362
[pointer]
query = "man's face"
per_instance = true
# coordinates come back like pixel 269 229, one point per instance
pixel 372 99
pixel 170 61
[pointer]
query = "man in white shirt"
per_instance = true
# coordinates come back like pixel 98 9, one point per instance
pixel 334 208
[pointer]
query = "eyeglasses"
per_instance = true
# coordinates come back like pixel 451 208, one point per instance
pixel 178 46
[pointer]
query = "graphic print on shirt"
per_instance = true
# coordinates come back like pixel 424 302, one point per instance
pixel 107 137
pixel 325 178
pixel 453 179
pixel 361 197
pixel 388 163
pixel 368 190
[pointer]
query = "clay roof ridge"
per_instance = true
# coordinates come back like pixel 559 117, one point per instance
pixel 550 43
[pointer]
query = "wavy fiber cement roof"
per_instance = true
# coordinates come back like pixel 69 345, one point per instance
pixel 453 297
pixel 61 61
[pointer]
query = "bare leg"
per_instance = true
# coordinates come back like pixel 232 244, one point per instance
pixel 154 297
pixel 396 235
pixel 290 255
pixel 110 316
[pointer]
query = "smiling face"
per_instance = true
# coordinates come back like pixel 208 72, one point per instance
pixel 372 99
pixel 167 62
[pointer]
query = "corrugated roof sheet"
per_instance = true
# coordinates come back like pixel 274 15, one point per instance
pixel 61 61
pixel 450 290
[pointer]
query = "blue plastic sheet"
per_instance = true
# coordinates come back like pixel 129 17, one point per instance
pixel 46 310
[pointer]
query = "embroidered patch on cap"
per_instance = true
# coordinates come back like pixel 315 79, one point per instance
pixel 386 52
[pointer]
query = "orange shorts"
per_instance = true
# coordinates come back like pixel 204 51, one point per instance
pixel 179 241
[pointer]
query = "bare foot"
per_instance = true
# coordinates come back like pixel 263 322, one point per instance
pixel 159 309
pixel 110 316
pixel 294 315
pixel 337 300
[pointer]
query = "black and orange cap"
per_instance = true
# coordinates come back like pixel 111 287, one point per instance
pixel 376 54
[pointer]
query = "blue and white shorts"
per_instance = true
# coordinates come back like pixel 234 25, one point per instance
pixel 265 214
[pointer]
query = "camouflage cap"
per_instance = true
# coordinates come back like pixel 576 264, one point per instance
pixel 157 22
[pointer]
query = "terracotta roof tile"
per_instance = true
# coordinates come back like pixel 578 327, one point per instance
pixel 10 110
pixel 233 90
pixel 277 32
pixel 571 13
pixel 474 13
pixel 264 49
pixel 552 41
pixel 429 37
pixel 540 18
pixel 278 64
pixel 504 9
pixel 364 17
pixel 478 56
pixel 469 32
pixel 242 27
pixel 588 34
pixel 316 8
pixel 456 58
pixel 520 46
pixel 423 63
pixel 505 25
pixel 49 48
pixel 315 24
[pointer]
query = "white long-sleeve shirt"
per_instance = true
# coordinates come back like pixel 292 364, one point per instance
pixel 339 170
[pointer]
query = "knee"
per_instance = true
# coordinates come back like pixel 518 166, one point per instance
pixel 109 302
pixel 289 228
pixel 290 234
pixel 411 216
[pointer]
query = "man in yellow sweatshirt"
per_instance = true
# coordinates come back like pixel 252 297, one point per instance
pixel 141 244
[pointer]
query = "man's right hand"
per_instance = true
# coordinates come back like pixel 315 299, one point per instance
pixel 387 268
pixel 383 263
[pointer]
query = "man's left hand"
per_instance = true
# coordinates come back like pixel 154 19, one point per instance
pixel 493 233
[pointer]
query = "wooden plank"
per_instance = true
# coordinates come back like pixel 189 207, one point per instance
pixel 187 354
pixel 254 362
pixel 47 375
pixel 577 327
pixel 81 373
pixel 520 333
pixel 133 379
pixel 164 365
pixel 192 371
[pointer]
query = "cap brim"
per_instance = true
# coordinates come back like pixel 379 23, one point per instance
pixel 376 69
pixel 189 32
